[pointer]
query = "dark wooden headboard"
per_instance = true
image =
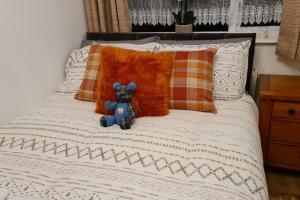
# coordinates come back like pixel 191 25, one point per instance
pixel 182 36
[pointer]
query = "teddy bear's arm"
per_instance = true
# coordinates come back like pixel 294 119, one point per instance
pixel 110 105
pixel 131 111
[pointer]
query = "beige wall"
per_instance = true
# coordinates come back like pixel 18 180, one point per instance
pixel 267 62
pixel 36 37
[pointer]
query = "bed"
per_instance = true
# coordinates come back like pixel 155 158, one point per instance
pixel 58 150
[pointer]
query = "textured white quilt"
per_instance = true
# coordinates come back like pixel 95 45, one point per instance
pixel 59 151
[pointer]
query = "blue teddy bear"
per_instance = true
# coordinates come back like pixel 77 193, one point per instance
pixel 124 113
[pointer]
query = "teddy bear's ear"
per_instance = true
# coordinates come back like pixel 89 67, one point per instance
pixel 117 86
pixel 131 86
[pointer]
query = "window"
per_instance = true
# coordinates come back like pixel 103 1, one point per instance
pixel 156 15
pixel 153 15
pixel 260 16
pixel 261 12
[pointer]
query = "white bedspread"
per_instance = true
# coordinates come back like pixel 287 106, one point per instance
pixel 58 150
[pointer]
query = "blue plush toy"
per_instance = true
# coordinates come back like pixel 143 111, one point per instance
pixel 124 113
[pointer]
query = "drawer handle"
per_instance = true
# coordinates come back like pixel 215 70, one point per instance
pixel 291 112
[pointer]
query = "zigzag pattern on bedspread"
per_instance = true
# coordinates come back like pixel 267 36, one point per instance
pixel 58 151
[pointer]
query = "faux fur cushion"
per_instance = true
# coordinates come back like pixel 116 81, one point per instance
pixel 150 71
pixel 87 89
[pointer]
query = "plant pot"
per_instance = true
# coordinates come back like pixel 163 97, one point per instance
pixel 184 28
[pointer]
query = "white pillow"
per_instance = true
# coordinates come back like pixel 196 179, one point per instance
pixel 138 47
pixel 230 66
pixel 74 70
pixel 77 63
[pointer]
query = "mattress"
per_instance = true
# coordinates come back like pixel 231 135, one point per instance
pixel 58 150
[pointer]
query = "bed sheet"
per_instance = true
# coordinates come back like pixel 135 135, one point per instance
pixel 58 150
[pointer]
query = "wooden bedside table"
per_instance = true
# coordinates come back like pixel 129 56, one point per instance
pixel 279 120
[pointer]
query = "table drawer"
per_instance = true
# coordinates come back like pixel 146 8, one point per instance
pixel 284 154
pixel 285 131
pixel 286 110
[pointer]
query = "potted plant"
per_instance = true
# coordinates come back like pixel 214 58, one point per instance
pixel 184 18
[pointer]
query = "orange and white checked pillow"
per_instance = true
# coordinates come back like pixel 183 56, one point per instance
pixel 191 81
pixel 86 91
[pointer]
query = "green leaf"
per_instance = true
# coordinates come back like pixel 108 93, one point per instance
pixel 188 17
pixel 177 17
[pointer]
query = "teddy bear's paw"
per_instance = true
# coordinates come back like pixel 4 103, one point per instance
pixel 103 122
pixel 125 125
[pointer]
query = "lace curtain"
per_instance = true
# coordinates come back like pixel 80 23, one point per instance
pixel 160 11
pixel 261 12
pixel 210 11
pixel 212 15
pixel 152 11
pixel 206 11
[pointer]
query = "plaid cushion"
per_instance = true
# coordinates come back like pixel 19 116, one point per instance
pixel 191 81
pixel 87 88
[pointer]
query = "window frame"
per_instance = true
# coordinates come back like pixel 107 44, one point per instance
pixel 264 34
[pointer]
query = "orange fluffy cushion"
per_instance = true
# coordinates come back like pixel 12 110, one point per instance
pixel 150 71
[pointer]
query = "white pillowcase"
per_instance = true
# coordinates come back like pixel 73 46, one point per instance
pixel 74 70
pixel 138 47
pixel 230 66
pixel 77 63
